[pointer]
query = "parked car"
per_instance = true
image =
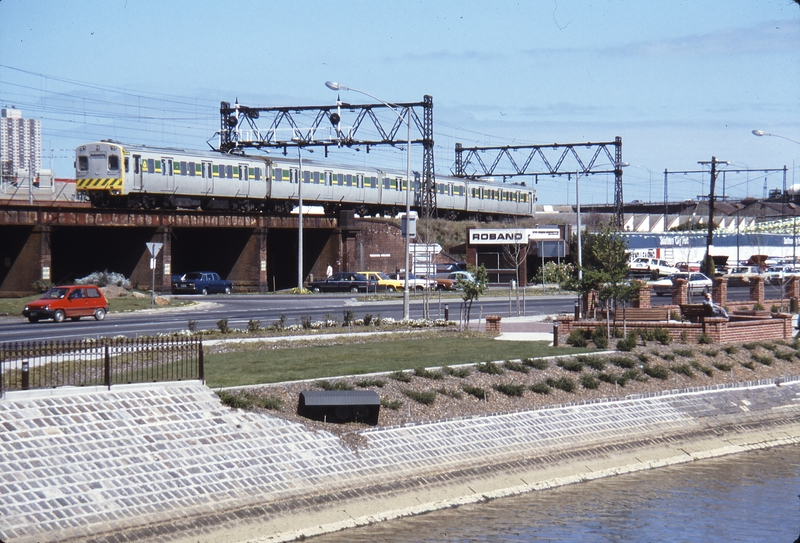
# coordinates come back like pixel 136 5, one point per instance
pixel 384 281
pixel 698 283
pixel 414 282
pixel 688 266
pixel 777 274
pixel 343 282
pixel 650 265
pixel 449 281
pixel 201 283
pixel 741 275
pixel 68 302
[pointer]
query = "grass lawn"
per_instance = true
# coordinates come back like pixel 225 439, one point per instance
pixel 293 363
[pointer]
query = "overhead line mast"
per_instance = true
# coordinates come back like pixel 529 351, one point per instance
pixel 239 129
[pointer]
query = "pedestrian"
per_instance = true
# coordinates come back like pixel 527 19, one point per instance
pixel 716 310
pixel 328 272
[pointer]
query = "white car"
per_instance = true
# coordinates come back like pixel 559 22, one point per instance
pixel 649 265
pixel 414 282
pixel 698 283
pixel 741 275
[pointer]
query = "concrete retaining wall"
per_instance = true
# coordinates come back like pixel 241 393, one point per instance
pixel 170 463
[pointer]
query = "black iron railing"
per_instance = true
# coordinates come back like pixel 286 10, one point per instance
pixel 105 362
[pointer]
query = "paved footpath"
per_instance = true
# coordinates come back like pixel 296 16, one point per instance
pixel 170 463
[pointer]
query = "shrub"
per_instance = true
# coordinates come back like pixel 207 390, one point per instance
pixel 769 346
pixel 391 404
pixel 711 353
pixel 613 378
pixel 253 325
pixel 589 382
pixel 622 361
pixel 348 317
pixel 662 336
pixel 722 366
pixel 731 349
pixel 222 324
pixel 335 385
pixel 428 374
pixel 667 356
pixel 618 334
pixel 703 369
pixel 450 392
pixel 775 309
pixel 765 360
pixel 401 376
pixel 273 403
pixel 237 400
pixel 457 372
pixel 758 307
pixel 536 363
pixel 752 346
pixel 657 372
pixel 632 375
pixel 645 334
pixel 367 319
pixel 627 344
pixel 192 325
pixel 686 353
pixel 510 389
pixel 541 388
pixel 577 338
pixel 305 322
pixel 642 357
pixel 594 362
pixel 425 398
pixel 41 285
pixel 569 364
pixel 490 367
pixel 704 339
pixel 786 356
pixel 516 366
pixel 684 369
pixel 478 392
pixel 749 365
pixel 562 383
pixel 600 337
pixel 366 383
pixel 280 324
pixel 684 337
pixel 674 315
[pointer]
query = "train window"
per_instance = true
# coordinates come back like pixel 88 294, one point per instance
pixel 83 163
pixel 113 163
pixel 400 184
pixel 229 171
pixel 174 167
pixel 215 170
pixel 136 163
pixel 329 178
pixel 180 167
pixel 190 169
pixel 316 178
pixel 257 173
pixel 127 164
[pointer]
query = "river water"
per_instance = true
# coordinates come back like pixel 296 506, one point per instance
pixel 749 498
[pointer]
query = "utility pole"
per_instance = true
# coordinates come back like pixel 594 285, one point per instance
pixel 708 263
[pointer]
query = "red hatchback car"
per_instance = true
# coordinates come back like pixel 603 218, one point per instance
pixel 72 302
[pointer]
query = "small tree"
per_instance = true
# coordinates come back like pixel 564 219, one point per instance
pixel 474 288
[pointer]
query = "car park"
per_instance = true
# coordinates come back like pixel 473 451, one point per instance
pixel 344 282
pixel 697 283
pixel 200 283
pixel 383 281
pixel 68 302
pixel 652 265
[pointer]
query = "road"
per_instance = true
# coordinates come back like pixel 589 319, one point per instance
pixel 239 310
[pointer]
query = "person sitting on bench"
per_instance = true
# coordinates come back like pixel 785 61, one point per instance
pixel 715 309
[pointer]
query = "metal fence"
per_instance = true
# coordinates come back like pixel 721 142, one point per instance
pixel 104 362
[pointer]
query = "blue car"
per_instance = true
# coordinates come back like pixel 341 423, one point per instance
pixel 200 283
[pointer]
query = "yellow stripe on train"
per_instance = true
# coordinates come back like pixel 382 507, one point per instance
pixel 99 183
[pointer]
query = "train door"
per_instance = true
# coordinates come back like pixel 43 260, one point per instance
pixel 167 177
pixel 328 187
pixel 360 189
pixel 137 172
pixel 207 183
pixel 244 179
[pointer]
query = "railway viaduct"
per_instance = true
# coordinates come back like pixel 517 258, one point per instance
pixel 62 241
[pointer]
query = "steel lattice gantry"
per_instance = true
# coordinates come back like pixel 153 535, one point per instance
pixel 470 163
pixel 239 130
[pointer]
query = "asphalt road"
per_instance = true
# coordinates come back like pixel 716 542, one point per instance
pixel 240 309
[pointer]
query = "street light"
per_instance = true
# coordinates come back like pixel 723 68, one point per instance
pixel 760 133
pixel 300 213
pixel 333 85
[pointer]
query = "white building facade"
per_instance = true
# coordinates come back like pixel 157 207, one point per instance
pixel 20 145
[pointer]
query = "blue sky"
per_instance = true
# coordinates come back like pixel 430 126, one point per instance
pixel 679 81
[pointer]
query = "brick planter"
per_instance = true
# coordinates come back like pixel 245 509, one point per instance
pixel 493 323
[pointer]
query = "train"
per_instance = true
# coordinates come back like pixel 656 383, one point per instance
pixel 116 175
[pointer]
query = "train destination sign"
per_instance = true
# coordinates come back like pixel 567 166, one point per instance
pixel 512 236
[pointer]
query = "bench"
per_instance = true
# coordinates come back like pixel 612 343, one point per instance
pixel 696 312
pixel 640 314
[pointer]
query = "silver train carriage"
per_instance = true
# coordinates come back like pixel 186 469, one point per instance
pixel 111 174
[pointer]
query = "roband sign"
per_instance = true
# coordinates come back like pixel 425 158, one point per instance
pixel 512 236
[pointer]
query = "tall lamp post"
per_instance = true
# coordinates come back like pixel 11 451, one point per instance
pixel 300 213
pixel 333 85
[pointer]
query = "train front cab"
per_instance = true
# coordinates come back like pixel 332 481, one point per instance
pixel 98 171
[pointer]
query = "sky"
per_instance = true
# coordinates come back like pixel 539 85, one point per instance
pixel 680 81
